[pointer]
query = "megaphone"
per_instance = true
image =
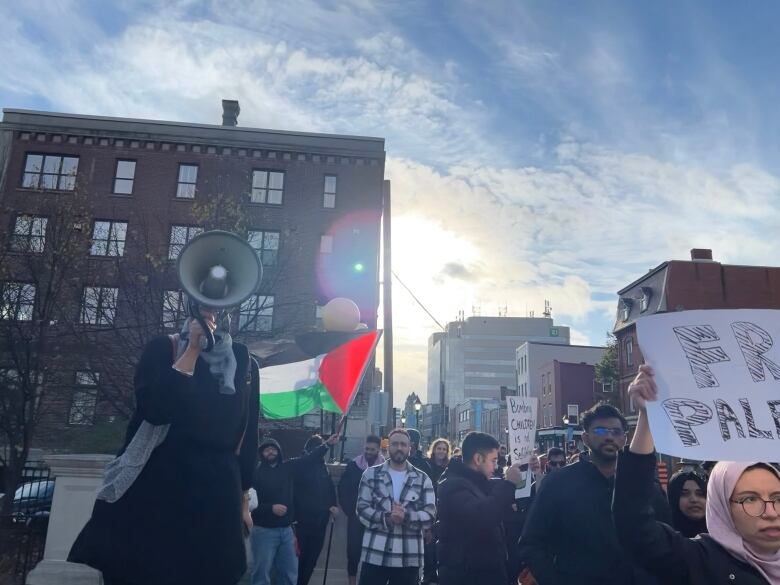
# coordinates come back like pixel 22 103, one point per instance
pixel 218 270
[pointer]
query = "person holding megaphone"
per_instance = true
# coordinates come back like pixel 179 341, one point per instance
pixel 173 508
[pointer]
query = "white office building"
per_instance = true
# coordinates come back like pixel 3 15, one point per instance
pixel 476 357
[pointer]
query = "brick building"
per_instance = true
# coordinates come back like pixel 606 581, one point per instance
pixel 566 385
pixel 95 210
pixel 700 283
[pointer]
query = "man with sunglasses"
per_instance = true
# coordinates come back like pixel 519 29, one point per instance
pixel 568 536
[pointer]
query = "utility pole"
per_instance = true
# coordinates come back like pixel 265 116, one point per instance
pixel 387 293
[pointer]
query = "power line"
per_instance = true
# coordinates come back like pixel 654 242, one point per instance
pixel 401 282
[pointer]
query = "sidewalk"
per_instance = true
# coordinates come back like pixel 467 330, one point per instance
pixel 337 566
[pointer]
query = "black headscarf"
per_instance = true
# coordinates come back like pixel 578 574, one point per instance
pixel 683 524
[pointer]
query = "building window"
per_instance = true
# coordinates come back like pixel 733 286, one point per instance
pixel 267 187
pixel 11 380
pixel 188 178
pixel 257 314
pixel 266 244
pixel 17 301
pixel 625 309
pixel 629 352
pixel 108 238
pixel 29 234
pixel 98 305
pixel 329 196
pixel 173 309
pixel 82 406
pixel 180 235
pixel 50 171
pixel 125 175
pixel 326 244
pixel 318 316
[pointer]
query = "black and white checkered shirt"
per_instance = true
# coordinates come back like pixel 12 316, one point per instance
pixel 384 543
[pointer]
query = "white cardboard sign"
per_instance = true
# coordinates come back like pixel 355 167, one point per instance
pixel 718 377
pixel 521 417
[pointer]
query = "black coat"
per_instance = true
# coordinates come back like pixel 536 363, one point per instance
pixel 421 463
pixel 435 474
pixel 569 537
pixel 348 489
pixel 180 521
pixel 314 492
pixel 275 485
pixel 471 547
pixel 675 559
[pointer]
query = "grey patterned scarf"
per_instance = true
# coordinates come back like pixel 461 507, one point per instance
pixel 125 469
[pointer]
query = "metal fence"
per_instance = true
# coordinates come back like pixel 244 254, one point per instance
pixel 23 529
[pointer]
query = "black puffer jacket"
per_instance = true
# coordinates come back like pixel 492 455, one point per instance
pixel 471 547
pixel 673 558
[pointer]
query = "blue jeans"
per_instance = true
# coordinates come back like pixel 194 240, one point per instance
pixel 274 548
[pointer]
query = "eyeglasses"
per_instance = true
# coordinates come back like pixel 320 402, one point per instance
pixel 556 464
pixel 604 431
pixel 755 506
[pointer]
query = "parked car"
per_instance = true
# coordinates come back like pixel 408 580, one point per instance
pixel 32 501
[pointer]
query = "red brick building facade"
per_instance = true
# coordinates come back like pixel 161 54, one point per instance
pixel 565 384
pixel 94 210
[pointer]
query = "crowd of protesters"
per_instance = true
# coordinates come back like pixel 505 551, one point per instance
pixel 601 517
pixel 453 518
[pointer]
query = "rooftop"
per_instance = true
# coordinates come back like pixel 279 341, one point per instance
pixel 33 120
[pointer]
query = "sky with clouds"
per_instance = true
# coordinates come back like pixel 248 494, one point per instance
pixel 537 150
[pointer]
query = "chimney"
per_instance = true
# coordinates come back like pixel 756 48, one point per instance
pixel 701 254
pixel 230 112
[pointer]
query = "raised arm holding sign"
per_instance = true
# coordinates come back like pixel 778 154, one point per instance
pixel 717 375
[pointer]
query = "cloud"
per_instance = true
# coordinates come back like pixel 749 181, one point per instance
pixel 457 271
pixel 535 154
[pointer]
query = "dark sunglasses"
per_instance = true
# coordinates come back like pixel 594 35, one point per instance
pixel 605 432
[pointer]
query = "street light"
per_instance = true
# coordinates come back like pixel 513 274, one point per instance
pixel 417 407
pixel 403 419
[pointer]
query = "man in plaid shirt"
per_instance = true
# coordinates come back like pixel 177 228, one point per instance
pixel 395 503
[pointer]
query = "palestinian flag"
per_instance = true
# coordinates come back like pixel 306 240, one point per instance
pixel 321 370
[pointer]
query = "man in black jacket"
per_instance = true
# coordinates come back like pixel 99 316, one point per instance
pixel 416 457
pixel 273 542
pixel 471 548
pixel 569 536
pixel 315 504
pixel 348 495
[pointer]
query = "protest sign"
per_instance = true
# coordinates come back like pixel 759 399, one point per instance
pixel 718 377
pixel 521 418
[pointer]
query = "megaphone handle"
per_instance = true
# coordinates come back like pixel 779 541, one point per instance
pixel 206 331
pixel 195 314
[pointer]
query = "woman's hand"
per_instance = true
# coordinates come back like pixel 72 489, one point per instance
pixel 197 333
pixel 643 389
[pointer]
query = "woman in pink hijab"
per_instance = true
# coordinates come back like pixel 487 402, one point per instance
pixel 743 515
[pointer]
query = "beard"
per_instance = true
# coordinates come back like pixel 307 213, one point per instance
pixel 270 459
pixel 371 460
pixel 398 457
pixel 607 454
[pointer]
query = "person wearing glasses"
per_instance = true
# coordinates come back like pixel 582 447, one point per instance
pixel 742 512
pixel 568 536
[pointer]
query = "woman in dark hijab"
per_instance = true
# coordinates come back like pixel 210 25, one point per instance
pixel 688 500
